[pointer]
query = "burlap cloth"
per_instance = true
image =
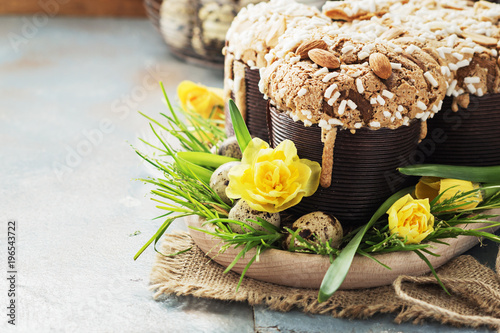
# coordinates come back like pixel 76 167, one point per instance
pixel 474 288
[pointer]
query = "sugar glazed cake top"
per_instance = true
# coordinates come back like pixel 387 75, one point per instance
pixel 384 64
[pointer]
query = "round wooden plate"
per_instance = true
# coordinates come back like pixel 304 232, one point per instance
pixel 307 270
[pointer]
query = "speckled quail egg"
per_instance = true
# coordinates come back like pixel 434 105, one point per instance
pixel 219 180
pixel 324 226
pixel 230 147
pixel 242 211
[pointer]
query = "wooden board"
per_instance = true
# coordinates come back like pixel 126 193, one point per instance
pixel 51 8
pixel 307 270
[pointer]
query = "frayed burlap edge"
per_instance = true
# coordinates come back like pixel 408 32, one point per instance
pixel 192 273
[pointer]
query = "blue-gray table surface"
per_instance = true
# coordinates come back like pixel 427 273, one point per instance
pixel 70 90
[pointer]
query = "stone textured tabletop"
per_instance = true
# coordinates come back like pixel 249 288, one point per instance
pixel 70 90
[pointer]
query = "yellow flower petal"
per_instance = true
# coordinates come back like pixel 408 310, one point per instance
pixel 450 187
pixel 411 219
pixel 272 179
pixel 427 187
pixel 207 102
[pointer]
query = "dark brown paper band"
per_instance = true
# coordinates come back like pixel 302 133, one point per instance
pixel 467 137
pixel 364 170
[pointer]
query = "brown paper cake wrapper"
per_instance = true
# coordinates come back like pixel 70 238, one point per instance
pixel 469 136
pixel 364 170
pixel 255 106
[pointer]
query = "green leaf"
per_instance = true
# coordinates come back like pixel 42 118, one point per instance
pixel 205 159
pixel 338 269
pixel 240 128
pixel 489 174
pixel 193 170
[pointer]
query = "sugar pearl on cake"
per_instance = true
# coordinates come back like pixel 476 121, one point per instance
pixel 323 70
pixel 471 88
pixel 359 86
pixel 452 66
pixel 451 40
pixel 451 88
pixel 355 74
pixel 373 100
pixel 426 115
pixel 445 70
pixel 335 121
pixel 457 55
pixel 342 106
pixel 387 114
pixel 358 125
pixel 322 123
pixel 307 123
pixel 363 55
pixel 387 94
pixel 302 92
pixel 472 79
pixel 479 92
pixel 412 48
pixel 463 63
pixel 329 76
pixel 421 105
pixel 347 49
pixel 334 98
pixel 329 90
pixel 294 60
pixel 351 104
pixel 406 121
pixel 428 76
pixel 380 100
pixel 444 49
pixel 478 49
pixel 467 50
pixel 375 124
pixel 395 65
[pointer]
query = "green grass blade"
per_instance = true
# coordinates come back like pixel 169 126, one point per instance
pixel 240 128
pixel 338 269
pixel 421 255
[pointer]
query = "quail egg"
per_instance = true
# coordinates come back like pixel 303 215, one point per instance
pixel 242 211
pixel 230 147
pixel 318 227
pixel 219 180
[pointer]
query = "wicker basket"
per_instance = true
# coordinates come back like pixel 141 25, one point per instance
pixel 195 30
pixel 153 11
